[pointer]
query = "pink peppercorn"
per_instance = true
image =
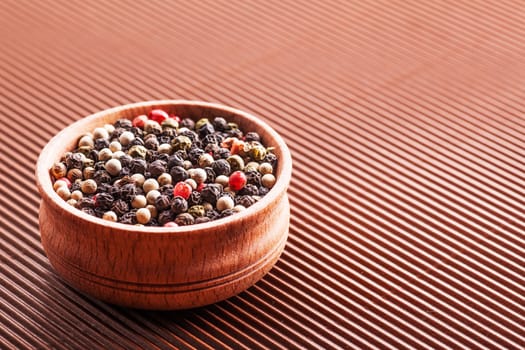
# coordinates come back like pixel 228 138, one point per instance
pixel 158 115
pixel 182 189
pixel 237 180
pixel 139 121
pixel 170 224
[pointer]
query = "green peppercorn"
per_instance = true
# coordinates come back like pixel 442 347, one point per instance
pixel 196 210
pixel 137 151
pixel 170 123
pixel 258 152
pixel 201 122
pixel 181 142
pixel 58 170
pixel 236 162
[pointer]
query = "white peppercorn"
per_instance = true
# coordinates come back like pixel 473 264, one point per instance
pixel 265 168
pixel 151 196
pixel 143 216
pixel 165 148
pixel 113 167
pixel 222 180
pixel 115 146
pixel 77 195
pixel 150 185
pixel 63 192
pixel 139 179
pixel 126 138
pixel 164 179
pixel 105 154
pixel 110 216
pixel 139 201
pixel 225 202
pixel 268 180
pixel 88 186
pixel 100 133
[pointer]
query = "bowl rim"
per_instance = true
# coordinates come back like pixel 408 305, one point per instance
pixel 45 186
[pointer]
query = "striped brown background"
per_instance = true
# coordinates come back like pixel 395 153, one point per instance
pixel 406 120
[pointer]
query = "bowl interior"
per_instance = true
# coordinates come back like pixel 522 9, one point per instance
pixel 66 141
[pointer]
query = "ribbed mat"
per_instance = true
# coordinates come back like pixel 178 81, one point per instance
pixel 406 121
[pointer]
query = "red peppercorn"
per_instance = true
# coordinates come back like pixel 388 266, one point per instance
pixel 182 189
pixel 237 180
pixel 139 121
pixel 200 186
pixel 176 117
pixel 170 224
pixel 158 115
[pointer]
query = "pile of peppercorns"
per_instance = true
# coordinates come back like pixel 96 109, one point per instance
pixel 162 170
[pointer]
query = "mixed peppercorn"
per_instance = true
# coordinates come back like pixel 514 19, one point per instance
pixel 162 170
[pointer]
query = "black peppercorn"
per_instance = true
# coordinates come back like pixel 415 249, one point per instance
pixel 138 165
pixel 212 214
pixel 178 174
pixel 120 207
pixel 174 160
pixel 221 167
pixel 127 192
pixel 187 123
pixel 212 139
pixel 220 124
pixel 194 154
pixel 245 201
pixel 165 216
pixel 210 175
pixel 195 198
pixel 206 129
pixel 157 167
pixel 162 202
pixel 252 136
pixel 89 211
pixel 184 219
pixel 86 202
pixel 178 205
pixel 253 177
pixel 202 219
pixel 151 143
pixel 211 193
pixel 101 143
pixel 249 189
pixel 129 218
pixel 101 176
pixel 272 159
pixel 226 212
pixel 103 187
pixel 263 190
pixel 166 190
pixel 104 201
pixel 123 123
pixel 75 160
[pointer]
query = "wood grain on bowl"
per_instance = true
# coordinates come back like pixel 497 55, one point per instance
pixel 156 267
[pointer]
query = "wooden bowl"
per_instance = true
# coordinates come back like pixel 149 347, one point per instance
pixel 156 267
